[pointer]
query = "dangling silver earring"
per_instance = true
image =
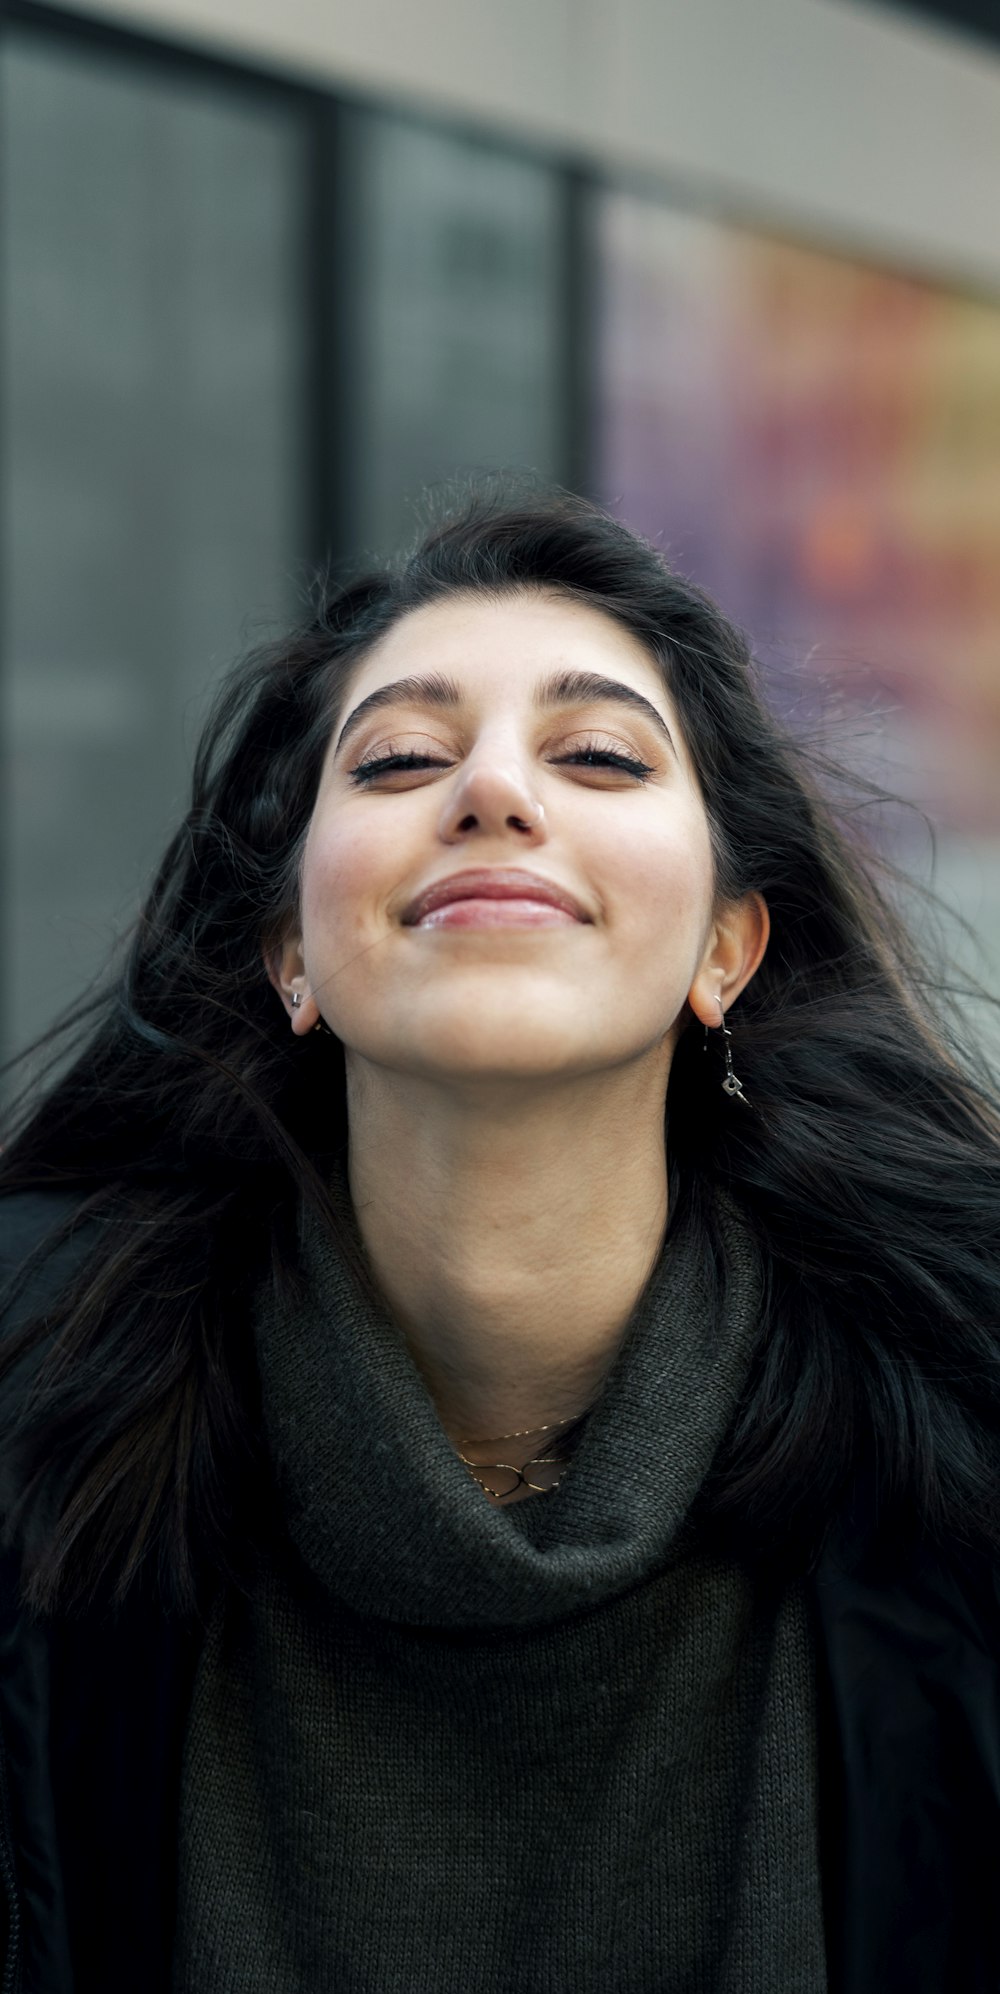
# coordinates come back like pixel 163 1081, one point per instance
pixel 730 1083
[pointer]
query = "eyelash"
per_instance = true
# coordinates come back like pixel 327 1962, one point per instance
pixel 366 771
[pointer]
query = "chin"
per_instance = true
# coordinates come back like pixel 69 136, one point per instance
pixel 496 1064
pixel 477 1049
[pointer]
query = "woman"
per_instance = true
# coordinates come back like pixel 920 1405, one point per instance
pixel 456 1536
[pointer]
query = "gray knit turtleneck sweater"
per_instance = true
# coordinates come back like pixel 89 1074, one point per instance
pixel 556 1748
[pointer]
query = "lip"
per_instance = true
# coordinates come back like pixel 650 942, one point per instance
pixel 491 883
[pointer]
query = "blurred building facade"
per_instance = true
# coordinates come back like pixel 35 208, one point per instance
pixel 267 276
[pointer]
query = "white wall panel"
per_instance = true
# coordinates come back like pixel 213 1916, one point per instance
pixel 830 117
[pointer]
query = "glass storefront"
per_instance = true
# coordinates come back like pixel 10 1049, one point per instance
pixel 249 327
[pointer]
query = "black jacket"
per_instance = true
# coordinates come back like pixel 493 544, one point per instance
pixel 92 1719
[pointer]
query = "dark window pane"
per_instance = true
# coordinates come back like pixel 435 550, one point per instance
pixel 152 357
pixel 455 300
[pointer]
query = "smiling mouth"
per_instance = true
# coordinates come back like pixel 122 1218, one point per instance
pixel 497 913
pixel 494 898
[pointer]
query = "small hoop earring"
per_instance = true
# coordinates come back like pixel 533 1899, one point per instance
pixel 731 1084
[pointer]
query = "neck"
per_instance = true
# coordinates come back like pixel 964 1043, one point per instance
pixel 511 1232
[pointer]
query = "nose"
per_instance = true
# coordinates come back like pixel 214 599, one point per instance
pixel 492 795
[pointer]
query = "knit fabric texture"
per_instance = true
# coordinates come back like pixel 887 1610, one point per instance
pixel 447 1746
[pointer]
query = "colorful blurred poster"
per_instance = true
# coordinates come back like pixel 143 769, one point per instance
pixel 818 442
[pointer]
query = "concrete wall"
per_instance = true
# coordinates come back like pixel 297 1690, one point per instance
pixel 833 118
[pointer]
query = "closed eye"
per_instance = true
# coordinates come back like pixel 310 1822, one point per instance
pixel 366 771
pixel 413 762
pixel 606 758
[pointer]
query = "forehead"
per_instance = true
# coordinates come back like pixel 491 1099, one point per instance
pixel 505 646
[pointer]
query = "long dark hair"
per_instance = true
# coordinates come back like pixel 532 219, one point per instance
pixel 190 1123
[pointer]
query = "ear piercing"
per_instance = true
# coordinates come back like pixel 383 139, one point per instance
pixel 731 1085
pixel 320 1025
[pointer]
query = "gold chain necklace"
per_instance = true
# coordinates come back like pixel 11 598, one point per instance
pixel 521 1479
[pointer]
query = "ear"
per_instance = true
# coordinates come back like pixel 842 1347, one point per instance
pixel 736 945
pixel 286 970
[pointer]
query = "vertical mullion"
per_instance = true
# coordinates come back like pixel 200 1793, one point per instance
pixel 578 331
pixel 334 283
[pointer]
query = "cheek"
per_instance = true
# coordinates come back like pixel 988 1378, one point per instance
pixel 342 873
pixel 663 881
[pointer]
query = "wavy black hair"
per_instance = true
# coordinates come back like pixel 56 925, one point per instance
pixel 189 1124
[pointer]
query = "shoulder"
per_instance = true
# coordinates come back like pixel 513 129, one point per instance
pixel 40 1250
pixel 27 1219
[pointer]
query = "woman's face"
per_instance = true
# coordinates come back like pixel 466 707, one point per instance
pixel 524 755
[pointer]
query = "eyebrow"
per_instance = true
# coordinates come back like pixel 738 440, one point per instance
pixel 587 688
pixel 565 689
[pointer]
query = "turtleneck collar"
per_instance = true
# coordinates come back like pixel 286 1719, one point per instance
pixel 388 1519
